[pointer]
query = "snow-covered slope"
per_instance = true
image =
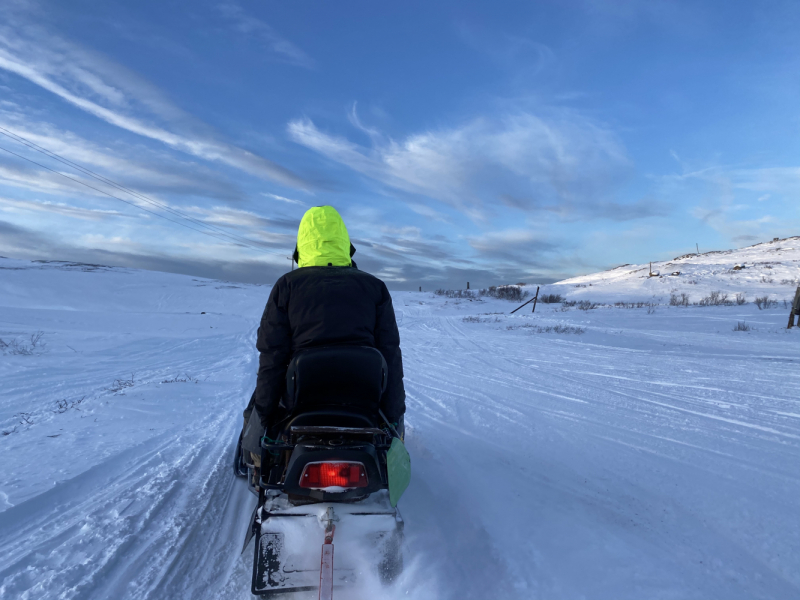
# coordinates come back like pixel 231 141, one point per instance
pixel 769 269
pixel 610 453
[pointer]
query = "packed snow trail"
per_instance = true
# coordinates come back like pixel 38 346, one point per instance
pixel 652 456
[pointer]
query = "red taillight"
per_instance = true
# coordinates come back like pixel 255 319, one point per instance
pixel 322 475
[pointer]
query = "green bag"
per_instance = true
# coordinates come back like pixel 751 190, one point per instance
pixel 398 463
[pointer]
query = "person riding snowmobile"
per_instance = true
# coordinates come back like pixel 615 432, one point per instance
pixel 327 301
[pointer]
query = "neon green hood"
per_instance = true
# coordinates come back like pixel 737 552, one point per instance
pixel 322 239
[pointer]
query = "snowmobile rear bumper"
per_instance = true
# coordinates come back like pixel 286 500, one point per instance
pixel 288 540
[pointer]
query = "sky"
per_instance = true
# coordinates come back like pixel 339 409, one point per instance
pixel 489 142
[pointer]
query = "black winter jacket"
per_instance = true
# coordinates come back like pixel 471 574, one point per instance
pixel 324 306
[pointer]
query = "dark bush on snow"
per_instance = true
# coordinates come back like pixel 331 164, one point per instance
pixel 505 292
pixel 715 299
pixel 741 326
pixel 631 304
pixel 676 300
pixel 455 293
pixel 36 345
pixel 551 298
pixel 764 302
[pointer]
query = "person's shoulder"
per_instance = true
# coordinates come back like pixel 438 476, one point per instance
pixel 369 277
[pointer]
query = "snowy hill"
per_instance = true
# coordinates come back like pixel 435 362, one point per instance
pixel 769 269
pixel 609 454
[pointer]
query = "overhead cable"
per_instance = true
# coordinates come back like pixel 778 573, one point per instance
pixel 215 232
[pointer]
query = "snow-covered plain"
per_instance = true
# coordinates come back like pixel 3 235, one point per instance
pixel 654 455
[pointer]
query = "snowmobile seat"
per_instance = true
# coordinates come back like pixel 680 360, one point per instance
pixel 341 379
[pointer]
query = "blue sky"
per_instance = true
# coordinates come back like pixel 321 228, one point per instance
pixel 489 142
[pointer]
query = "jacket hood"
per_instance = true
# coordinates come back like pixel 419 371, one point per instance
pixel 322 239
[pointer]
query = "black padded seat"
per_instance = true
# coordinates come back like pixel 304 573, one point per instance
pixel 338 378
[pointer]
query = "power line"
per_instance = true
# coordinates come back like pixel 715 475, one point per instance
pixel 231 238
pixel 18 138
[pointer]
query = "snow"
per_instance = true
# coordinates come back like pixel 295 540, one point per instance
pixel 770 269
pixel 654 455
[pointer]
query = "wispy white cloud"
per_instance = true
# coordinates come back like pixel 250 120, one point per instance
pixel 251 26
pixel 564 159
pixel 114 94
pixel 283 199
pixel 58 208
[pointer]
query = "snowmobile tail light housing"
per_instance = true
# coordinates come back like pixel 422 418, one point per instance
pixel 325 475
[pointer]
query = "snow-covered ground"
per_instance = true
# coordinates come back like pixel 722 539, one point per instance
pixel 770 269
pixel 605 453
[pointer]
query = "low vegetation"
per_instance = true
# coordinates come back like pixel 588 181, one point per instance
pixel 548 328
pixel 551 298
pixel 26 347
pixel 503 292
pixel 679 299
pixel 763 302
pixel 121 384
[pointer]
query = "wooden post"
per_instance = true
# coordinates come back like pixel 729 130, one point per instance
pixel 651 269
pixel 534 299
pixel 468 285
pixel 527 302
pixel 420 288
pixel 795 310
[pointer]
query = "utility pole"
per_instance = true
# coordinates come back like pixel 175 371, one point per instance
pixel 291 258
pixel 698 248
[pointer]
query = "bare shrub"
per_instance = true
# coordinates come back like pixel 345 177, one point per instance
pixel 34 345
pixel 551 298
pixel 456 293
pixel 740 299
pixel 763 302
pixel 560 329
pixel 505 292
pixel 586 305
pixel 741 326
pixel 63 406
pixel 121 384
pixel 185 379
pixel 679 300
pixel 633 304
pixel 569 303
pixel 715 299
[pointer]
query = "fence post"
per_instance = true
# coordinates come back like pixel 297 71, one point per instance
pixel 468 285
pixel 536 297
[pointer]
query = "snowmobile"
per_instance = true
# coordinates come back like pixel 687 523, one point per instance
pixel 334 469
